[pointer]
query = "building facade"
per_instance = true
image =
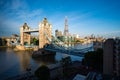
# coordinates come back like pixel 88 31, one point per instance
pixel 45 33
pixel 111 57
pixel 58 33
pixel 66 31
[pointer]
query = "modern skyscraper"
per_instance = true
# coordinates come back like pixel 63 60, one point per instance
pixel 66 32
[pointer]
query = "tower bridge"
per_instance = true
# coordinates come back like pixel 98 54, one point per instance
pixel 25 33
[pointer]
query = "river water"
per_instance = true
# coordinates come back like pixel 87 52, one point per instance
pixel 14 63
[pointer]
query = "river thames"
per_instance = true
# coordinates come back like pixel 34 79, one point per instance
pixel 15 63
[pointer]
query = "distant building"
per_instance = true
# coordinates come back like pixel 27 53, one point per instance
pixel 66 31
pixel 97 44
pixel 14 35
pixel 111 58
pixel 76 35
pixel 14 38
pixel 10 41
pixel 58 33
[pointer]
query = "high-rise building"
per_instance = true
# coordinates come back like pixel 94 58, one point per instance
pixel 111 57
pixel 58 33
pixel 66 32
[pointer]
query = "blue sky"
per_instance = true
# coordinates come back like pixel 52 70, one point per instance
pixel 85 17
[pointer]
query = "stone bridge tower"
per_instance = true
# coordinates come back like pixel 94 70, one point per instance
pixel 44 28
pixel 24 37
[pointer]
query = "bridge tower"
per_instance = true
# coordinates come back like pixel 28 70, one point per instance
pixel 44 28
pixel 24 37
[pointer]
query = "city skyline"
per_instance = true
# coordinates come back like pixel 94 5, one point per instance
pixel 84 17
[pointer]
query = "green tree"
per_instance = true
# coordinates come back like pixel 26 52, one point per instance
pixel 4 42
pixel 34 40
pixel 94 59
pixel 65 63
pixel 43 73
pixel 77 41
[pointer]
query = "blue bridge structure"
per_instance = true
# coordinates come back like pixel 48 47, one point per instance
pixel 59 46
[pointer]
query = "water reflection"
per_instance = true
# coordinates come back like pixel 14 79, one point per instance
pixel 14 63
pixel 8 50
pixel 79 45
pixel 24 59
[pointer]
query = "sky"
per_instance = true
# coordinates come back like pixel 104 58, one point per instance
pixel 85 17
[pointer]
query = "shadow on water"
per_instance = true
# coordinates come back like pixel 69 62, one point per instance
pixel 46 59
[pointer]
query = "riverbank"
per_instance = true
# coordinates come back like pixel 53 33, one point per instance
pixel 3 46
pixel 22 48
pixel 42 52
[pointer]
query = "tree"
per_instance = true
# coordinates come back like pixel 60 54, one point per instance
pixel 34 41
pixel 66 63
pixel 94 59
pixel 43 73
pixel 37 42
pixel 4 42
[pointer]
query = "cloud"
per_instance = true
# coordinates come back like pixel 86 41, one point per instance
pixel 14 14
pixel 19 12
pixel 18 4
pixel 12 24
